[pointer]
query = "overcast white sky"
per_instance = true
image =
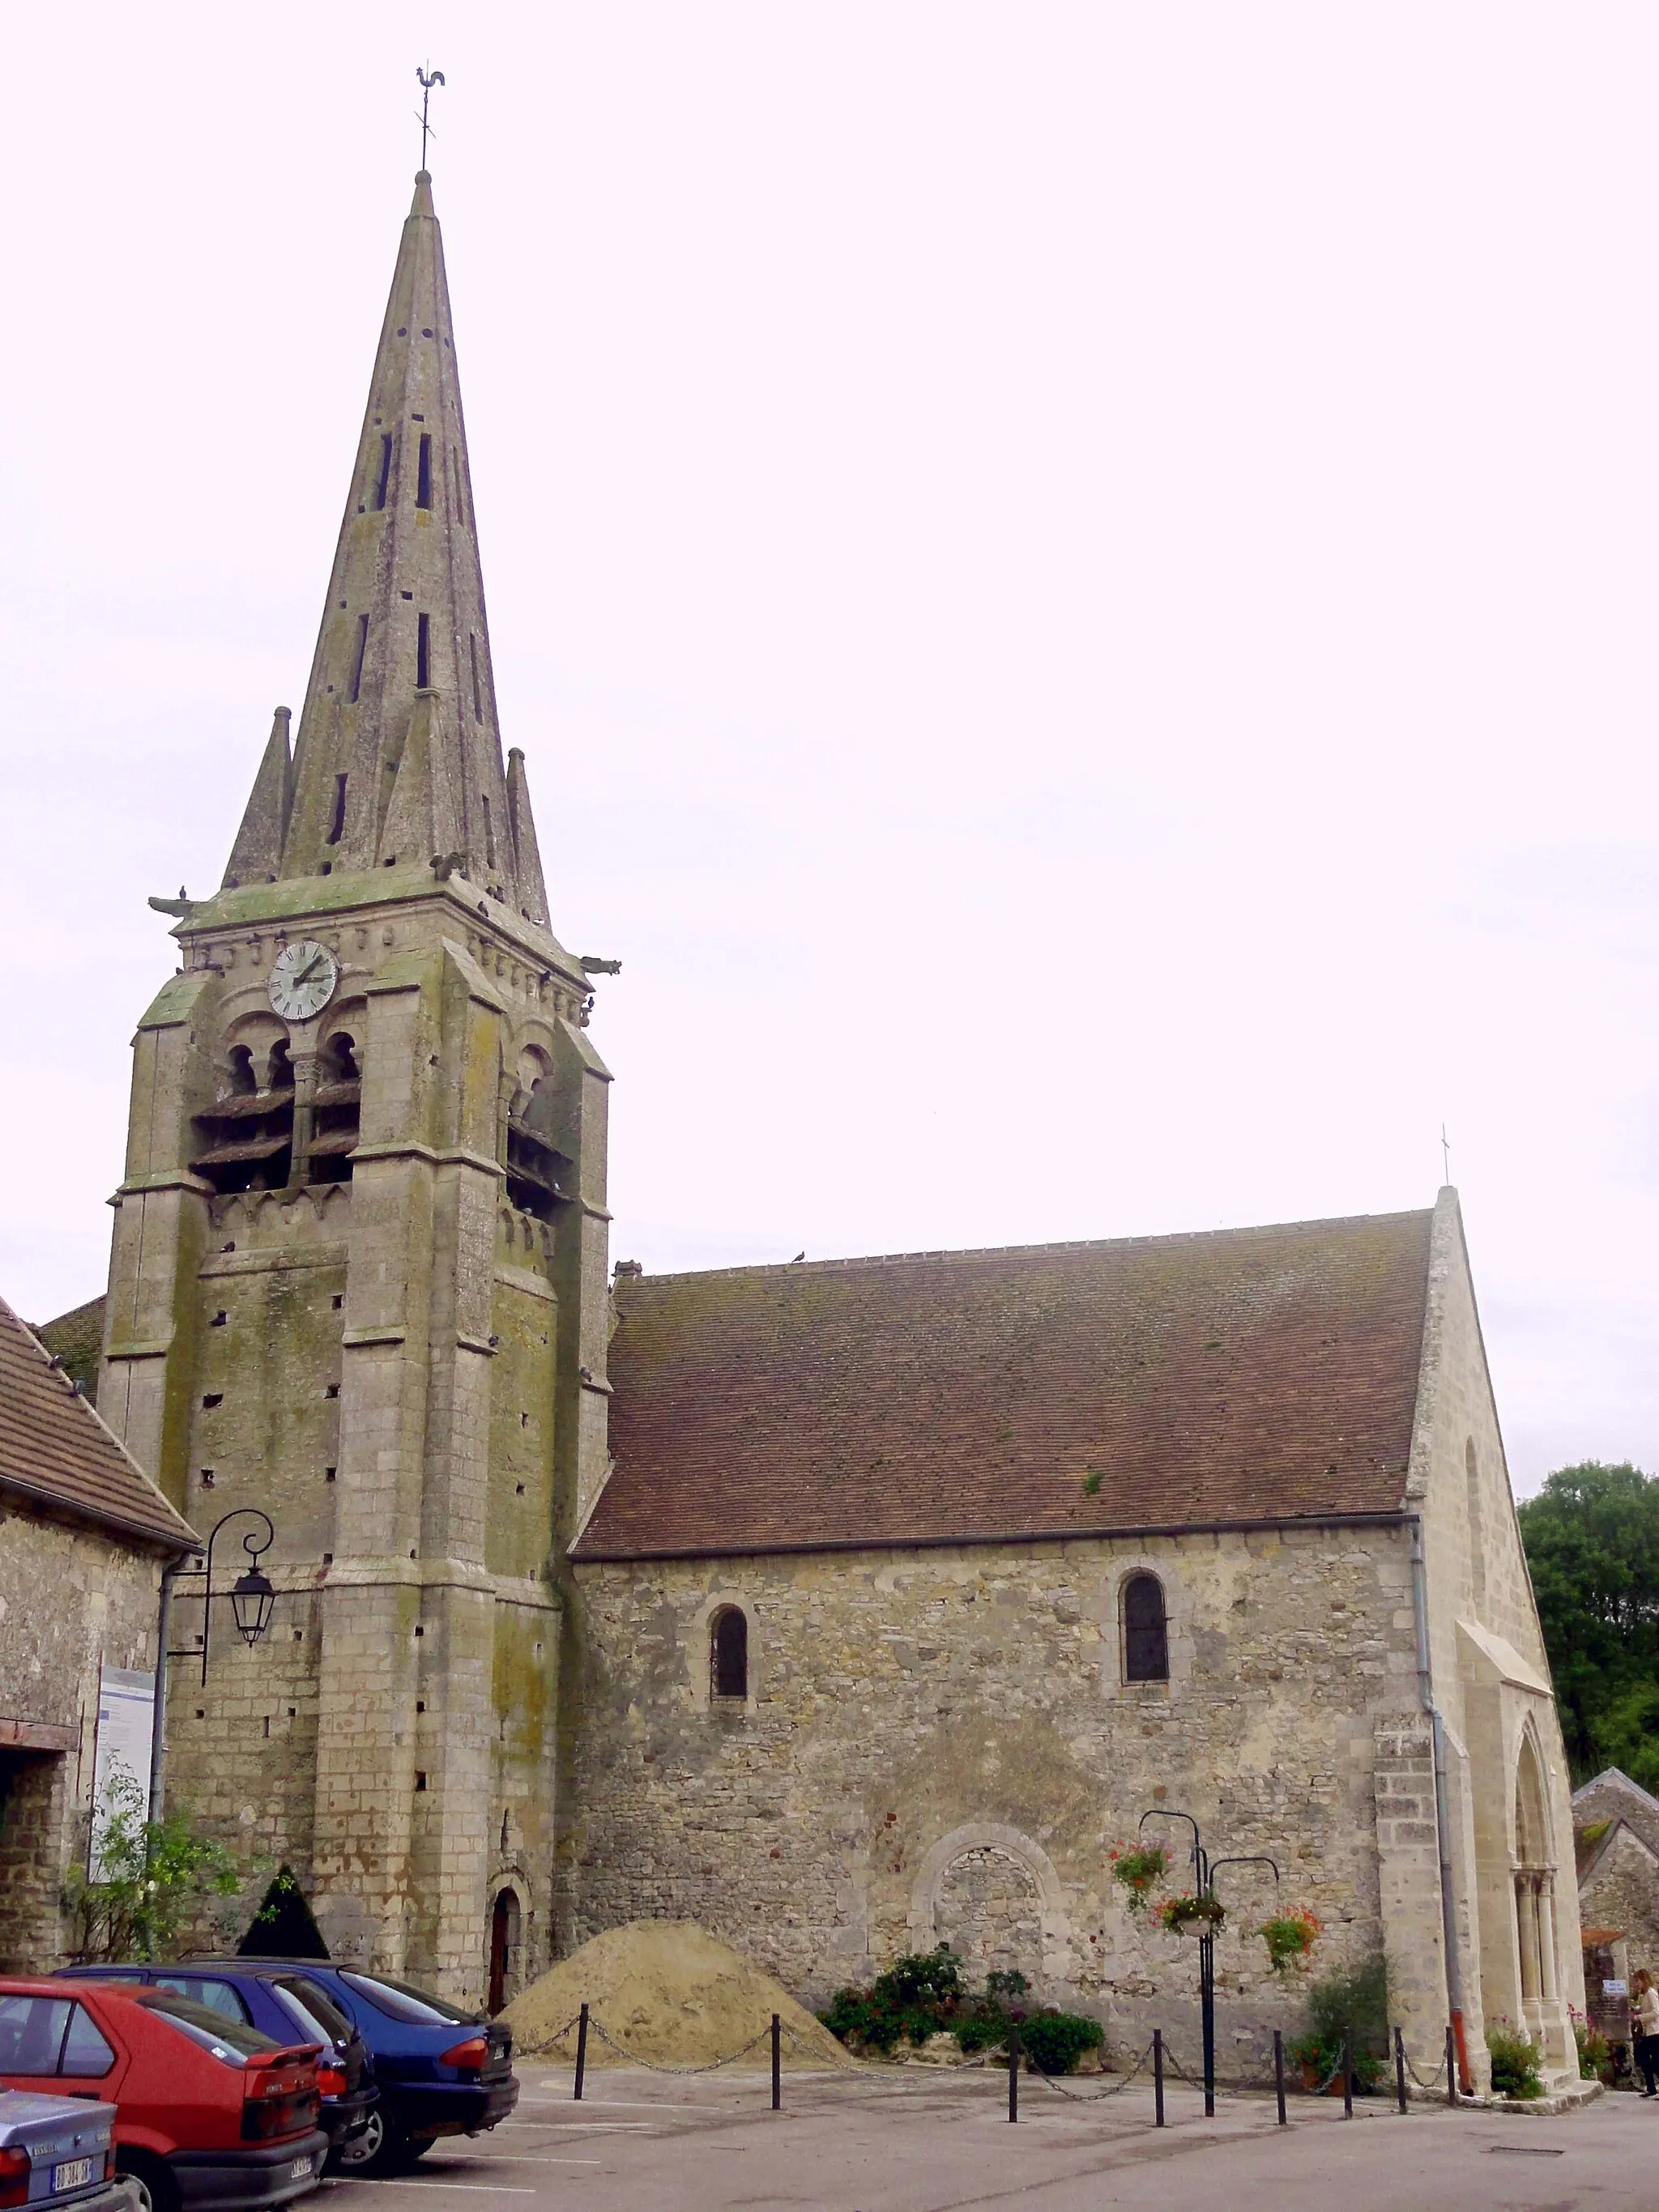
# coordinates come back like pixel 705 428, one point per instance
pixel 1077 582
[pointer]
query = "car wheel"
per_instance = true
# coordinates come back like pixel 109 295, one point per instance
pixel 157 2189
pixel 356 2156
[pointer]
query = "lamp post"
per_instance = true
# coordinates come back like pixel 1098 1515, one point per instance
pixel 251 1594
pixel 1204 1870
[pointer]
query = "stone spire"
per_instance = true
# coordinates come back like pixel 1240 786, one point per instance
pixel 398 739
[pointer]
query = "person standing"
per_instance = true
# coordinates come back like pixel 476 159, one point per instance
pixel 1645 2009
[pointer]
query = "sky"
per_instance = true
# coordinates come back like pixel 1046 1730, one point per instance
pixel 1077 581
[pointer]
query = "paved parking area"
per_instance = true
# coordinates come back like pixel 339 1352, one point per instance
pixel 912 2142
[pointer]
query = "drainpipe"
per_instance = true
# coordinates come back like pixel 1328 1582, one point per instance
pixel 1442 1817
pixel 158 1725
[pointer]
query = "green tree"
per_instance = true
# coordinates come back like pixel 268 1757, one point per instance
pixel 1592 1543
pixel 151 1875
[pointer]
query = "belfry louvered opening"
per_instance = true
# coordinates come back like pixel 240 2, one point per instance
pixel 336 1105
pixel 244 1139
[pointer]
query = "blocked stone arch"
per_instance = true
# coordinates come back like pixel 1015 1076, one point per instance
pixel 990 1890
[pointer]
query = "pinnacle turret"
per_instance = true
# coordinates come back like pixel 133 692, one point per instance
pixel 398 745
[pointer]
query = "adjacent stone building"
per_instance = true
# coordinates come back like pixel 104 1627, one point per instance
pixel 846 1607
pixel 1616 1829
pixel 84 1535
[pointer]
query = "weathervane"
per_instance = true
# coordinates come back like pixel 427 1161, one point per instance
pixel 427 81
pixel 1445 1151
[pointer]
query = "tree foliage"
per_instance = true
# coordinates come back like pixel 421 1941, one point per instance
pixel 152 1877
pixel 1592 1542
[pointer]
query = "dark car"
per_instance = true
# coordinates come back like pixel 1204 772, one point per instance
pixel 439 2070
pixel 210 2116
pixel 284 2004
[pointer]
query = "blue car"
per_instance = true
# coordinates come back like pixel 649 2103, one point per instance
pixel 289 2005
pixel 439 2071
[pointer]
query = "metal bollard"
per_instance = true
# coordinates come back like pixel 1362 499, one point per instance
pixel 777 2063
pixel 1400 2067
pixel 1451 2065
pixel 581 2050
pixel 1013 2069
pixel 1279 2074
pixel 1158 2074
pixel 1347 2075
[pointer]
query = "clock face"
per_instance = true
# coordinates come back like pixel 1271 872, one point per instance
pixel 302 979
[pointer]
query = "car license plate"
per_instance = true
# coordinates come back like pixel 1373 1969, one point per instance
pixel 301 2167
pixel 73 2173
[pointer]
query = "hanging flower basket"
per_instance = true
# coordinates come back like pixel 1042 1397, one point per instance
pixel 1193 1916
pixel 1289 1937
pixel 1140 1871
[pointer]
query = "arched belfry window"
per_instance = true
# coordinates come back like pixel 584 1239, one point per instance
pixel 1146 1630
pixel 728 1653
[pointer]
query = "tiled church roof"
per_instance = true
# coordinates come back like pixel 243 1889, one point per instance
pixel 55 1450
pixel 1250 1375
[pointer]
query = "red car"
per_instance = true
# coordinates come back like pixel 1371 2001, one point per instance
pixel 210 2115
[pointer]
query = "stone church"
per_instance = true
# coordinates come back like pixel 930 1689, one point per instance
pixel 847 1607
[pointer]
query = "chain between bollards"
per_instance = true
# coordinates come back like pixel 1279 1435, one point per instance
pixel 1013 2071
pixel 581 2050
pixel 777 2063
pixel 1157 2073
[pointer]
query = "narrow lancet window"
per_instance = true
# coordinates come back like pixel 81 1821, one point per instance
pixel 357 664
pixel 1146 1630
pixel 423 482
pixel 422 652
pixel 489 835
pixel 338 822
pixel 385 468
pixel 478 688
pixel 728 1653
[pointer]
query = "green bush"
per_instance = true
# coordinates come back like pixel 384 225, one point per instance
pixel 980 2030
pixel 1054 2041
pixel 1340 2005
pixel 920 1978
pixel 1514 2063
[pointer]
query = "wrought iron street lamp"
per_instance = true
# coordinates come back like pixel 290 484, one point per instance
pixel 1204 1870
pixel 251 1594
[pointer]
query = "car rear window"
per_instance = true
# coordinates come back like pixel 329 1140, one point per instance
pixel 230 2041
pixel 218 1996
pixel 398 2002
pixel 308 2017
pixel 326 2008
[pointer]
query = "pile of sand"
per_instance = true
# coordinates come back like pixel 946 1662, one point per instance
pixel 669 1992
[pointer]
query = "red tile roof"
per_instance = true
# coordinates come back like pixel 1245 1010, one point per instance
pixel 56 1451
pixel 1250 1375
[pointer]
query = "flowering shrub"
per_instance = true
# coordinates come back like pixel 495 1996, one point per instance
pixel 1289 1937
pixel 1515 2062
pixel 1595 2052
pixel 1138 1871
pixel 1176 1912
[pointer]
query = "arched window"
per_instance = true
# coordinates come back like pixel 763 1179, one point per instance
pixel 728 1653
pixel 1477 1534
pixel 1146 1630
pixel 243 1081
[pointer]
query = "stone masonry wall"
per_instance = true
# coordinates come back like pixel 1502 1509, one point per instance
pixel 940 1742
pixel 71 1601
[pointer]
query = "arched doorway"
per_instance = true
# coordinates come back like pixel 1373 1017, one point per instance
pixel 503 1948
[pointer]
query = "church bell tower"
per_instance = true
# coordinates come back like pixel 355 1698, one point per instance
pixel 358 1279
